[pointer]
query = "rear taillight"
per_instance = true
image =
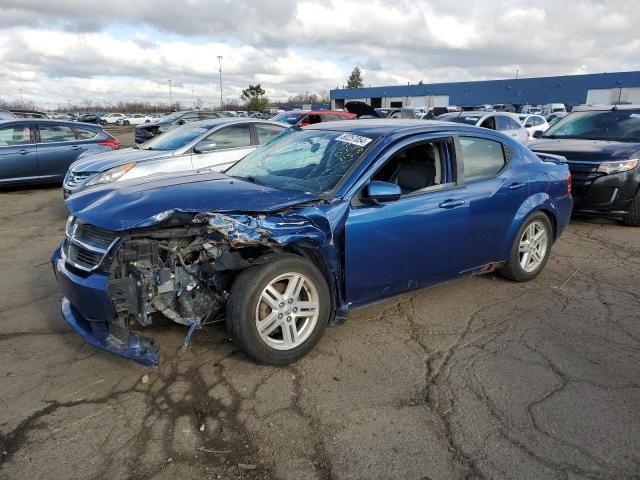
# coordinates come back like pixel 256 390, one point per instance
pixel 569 183
pixel 110 142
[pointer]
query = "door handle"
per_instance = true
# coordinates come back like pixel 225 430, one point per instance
pixel 23 152
pixel 516 186
pixel 76 147
pixel 451 203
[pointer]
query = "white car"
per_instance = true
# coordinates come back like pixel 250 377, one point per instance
pixel 111 118
pixel 135 119
pixel 533 123
pixel 214 144
pixel 506 123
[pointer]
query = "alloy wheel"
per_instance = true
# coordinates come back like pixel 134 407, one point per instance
pixel 533 246
pixel 287 311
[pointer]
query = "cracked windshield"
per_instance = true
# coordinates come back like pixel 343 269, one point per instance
pixel 307 161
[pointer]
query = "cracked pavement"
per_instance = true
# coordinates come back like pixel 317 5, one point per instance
pixel 480 378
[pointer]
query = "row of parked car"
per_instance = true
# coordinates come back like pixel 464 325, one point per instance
pixel 39 150
pixel 282 226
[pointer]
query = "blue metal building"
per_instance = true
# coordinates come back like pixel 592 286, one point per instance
pixel 599 88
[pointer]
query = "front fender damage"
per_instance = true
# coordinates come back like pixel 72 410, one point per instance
pixel 184 271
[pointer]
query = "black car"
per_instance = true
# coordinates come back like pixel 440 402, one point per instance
pixel 602 146
pixel 88 118
pixel 147 131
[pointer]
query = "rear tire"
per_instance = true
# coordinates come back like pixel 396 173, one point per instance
pixel 632 218
pixel 530 249
pixel 277 312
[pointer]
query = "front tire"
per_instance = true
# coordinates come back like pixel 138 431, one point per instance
pixel 126 122
pixel 277 312
pixel 632 218
pixel 530 249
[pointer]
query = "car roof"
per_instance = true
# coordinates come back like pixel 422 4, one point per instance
pixel 48 121
pixel 604 108
pixel 214 122
pixel 382 126
pixel 317 111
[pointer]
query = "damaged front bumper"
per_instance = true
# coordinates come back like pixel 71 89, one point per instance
pixel 87 307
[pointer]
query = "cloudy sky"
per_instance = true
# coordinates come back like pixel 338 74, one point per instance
pixel 128 49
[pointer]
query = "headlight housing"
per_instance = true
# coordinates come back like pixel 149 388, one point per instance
pixel 68 228
pixel 617 167
pixel 111 175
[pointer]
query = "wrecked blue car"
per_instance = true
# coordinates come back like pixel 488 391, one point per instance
pixel 296 234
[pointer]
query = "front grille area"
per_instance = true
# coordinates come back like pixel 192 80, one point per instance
pixel 87 245
pixel 93 235
pixel 582 176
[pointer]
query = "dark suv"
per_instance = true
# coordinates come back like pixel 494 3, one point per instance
pixel 149 130
pixel 602 146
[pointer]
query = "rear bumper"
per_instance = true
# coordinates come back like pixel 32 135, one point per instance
pixel 87 308
pixel 605 194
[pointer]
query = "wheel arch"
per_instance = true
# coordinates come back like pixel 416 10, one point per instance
pixel 539 202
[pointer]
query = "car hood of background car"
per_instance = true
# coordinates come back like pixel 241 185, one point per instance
pixel 151 200
pixel 104 161
pixel 585 150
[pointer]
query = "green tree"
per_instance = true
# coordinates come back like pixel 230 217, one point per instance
pixel 355 79
pixel 254 98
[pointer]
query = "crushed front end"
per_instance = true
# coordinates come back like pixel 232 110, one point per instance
pixel 182 271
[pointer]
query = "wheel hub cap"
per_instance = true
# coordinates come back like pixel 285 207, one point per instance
pixel 287 311
pixel 533 246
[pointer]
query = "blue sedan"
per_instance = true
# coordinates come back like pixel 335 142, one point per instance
pixel 40 151
pixel 315 223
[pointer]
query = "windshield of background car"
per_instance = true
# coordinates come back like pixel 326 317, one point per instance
pixel 616 125
pixel 311 161
pixel 176 138
pixel 383 112
pixel 459 118
pixel 170 118
pixel 290 118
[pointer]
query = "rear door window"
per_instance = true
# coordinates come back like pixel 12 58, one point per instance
pixel 267 132
pixel 327 117
pixel 482 158
pixel 56 133
pixel 234 136
pixel 502 123
pixel 15 135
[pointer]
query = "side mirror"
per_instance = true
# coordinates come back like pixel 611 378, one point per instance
pixel 537 134
pixel 378 191
pixel 303 124
pixel 204 147
pixel 181 121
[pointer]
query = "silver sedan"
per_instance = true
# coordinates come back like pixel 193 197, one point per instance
pixel 502 122
pixel 216 144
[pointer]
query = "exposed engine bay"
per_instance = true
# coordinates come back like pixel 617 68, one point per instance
pixel 181 273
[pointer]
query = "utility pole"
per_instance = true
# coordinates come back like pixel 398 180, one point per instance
pixel 170 99
pixel 220 72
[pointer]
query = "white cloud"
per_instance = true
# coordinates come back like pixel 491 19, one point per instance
pixel 123 50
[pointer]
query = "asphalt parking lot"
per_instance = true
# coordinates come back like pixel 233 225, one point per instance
pixel 482 378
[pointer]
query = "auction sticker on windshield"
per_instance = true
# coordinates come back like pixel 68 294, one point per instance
pixel 353 139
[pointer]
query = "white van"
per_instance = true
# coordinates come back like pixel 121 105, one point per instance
pixel 550 108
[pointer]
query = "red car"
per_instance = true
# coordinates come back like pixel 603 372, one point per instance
pixel 302 118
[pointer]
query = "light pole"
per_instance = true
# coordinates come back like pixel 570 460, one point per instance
pixel 220 72
pixel 170 99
